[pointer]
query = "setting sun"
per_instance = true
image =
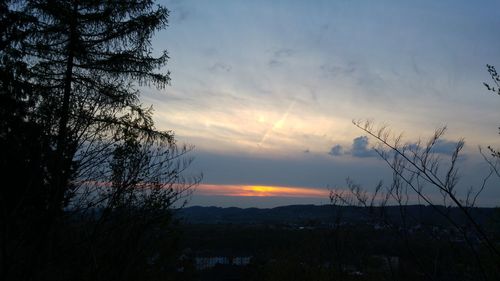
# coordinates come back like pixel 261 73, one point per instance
pixel 261 191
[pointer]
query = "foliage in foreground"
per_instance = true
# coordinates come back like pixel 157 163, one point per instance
pixel 88 181
pixel 421 173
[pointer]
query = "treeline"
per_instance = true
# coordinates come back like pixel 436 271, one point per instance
pixel 328 215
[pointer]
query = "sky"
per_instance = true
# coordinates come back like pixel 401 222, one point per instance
pixel 266 91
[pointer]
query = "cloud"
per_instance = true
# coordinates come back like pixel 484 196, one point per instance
pixel 179 12
pixel 444 147
pixel 336 150
pixel 300 170
pixel 280 56
pixel 441 146
pixel 359 148
pixel 283 53
pixel 220 67
pixel 333 70
pixel 275 63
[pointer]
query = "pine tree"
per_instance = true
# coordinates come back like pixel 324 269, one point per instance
pixel 73 70
pixel 88 57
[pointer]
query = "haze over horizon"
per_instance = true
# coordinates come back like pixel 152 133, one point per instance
pixel 266 91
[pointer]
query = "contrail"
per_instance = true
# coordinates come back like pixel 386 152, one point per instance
pixel 277 124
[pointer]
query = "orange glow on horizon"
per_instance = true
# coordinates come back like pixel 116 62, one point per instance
pixel 260 191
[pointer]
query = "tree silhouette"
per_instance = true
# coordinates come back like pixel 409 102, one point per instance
pixel 495 89
pixel 84 57
pixel 422 174
pixel 90 159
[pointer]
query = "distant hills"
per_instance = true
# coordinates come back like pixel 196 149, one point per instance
pixel 327 214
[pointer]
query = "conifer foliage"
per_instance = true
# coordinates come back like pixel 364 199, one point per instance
pixel 75 139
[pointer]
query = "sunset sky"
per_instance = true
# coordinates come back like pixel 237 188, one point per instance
pixel 266 91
